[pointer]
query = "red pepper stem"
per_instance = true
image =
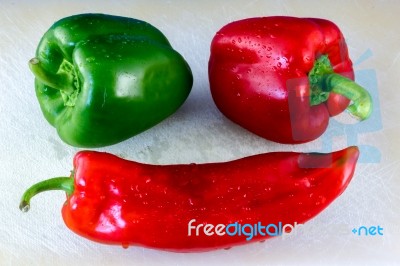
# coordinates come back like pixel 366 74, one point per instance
pixel 62 80
pixel 56 183
pixel 324 80
pixel 361 106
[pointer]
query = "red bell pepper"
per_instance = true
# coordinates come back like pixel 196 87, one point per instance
pixel 115 201
pixel 283 77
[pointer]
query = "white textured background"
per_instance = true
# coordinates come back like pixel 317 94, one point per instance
pixel 30 149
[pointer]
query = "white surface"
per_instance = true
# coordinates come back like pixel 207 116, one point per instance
pixel 30 149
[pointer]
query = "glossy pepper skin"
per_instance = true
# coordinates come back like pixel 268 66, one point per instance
pixel 116 201
pixel 101 79
pixel 283 77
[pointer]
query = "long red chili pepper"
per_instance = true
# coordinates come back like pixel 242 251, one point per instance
pixel 169 207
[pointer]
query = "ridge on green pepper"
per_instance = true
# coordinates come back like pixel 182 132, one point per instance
pixel 101 79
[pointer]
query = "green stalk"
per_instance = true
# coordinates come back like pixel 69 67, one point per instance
pixel 361 106
pixel 56 183
pixel 324 80
pixel 63 80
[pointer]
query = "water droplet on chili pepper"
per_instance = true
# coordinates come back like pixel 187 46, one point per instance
pixel 322 199
pixel 125 245
pixel 190 201
pixel 306 183
pixel 239 40
pixel 233 42
pixel 148 180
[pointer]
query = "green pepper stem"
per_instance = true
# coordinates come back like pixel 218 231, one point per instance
pixel 62 80
pixel 361 106
pixel 56 183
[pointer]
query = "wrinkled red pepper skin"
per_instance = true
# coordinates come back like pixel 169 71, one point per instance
pixel 258 74
pixel 116 201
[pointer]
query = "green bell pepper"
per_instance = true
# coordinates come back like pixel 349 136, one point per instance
pixel 101 79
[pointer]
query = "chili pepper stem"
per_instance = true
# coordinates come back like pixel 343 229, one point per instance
pixel 56 183
pixel 63 80
pixel 324 80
